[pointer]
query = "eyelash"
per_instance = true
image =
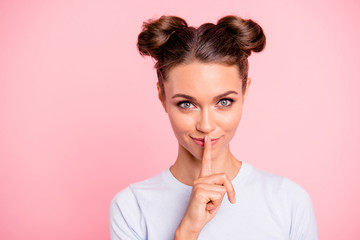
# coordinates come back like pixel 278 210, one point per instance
pixel 228 99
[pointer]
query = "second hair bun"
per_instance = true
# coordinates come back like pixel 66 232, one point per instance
pixel 247 33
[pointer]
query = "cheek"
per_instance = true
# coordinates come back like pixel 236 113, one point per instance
pixel 180 122
pixel 230 121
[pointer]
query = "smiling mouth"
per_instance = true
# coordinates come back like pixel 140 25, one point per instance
pixel 200 141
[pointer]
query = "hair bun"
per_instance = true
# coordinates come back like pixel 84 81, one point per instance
pixel 155 33
pixel 247 33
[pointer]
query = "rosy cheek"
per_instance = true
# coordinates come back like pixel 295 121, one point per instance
pixel 230 120
pixel 181 123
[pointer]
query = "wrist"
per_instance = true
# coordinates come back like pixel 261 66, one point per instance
pixel 184 233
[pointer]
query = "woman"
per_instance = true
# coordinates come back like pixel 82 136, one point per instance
pixel 203 82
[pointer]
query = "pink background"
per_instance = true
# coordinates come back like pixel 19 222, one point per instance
pixel 80 119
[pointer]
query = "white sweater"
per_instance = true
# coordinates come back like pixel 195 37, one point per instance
pixel 268 207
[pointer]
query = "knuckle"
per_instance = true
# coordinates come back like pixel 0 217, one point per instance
pixel 199 190
pixel 224 176
pixel 219 195
pixel 201 193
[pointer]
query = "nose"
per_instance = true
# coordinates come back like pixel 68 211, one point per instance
pixel 205 122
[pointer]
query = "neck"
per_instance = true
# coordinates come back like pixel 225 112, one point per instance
pixel 187 168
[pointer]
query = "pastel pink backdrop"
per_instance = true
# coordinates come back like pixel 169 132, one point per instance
pixel 80 118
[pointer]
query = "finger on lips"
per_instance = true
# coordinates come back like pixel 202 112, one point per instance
pixel 220 179
pixel 206 158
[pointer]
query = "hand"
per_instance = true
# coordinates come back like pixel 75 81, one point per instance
pixel 206 197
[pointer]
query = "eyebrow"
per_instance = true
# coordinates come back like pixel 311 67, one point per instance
pixel 194 99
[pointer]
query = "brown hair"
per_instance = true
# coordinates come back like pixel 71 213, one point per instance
pixel 171 42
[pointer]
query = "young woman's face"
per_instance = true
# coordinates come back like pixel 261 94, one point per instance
pixel 204 99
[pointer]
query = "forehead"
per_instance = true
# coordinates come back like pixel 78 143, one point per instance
pixel 202 79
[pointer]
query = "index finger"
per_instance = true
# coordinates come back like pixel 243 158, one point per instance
pixel 206 158
pixel 222 179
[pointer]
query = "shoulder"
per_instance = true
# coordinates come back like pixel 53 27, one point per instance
pixel 279 190
pixel 302 215
pixel 127 220
pixel 130 194
pixel 126 195
pixel 295 192
pixel 290 199
pixel 277 184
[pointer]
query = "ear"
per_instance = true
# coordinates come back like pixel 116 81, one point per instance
pixel 160 96
pixel 248 82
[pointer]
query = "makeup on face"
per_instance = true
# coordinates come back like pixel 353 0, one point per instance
pixel 204 99
pixel 200 141
pixel 189 102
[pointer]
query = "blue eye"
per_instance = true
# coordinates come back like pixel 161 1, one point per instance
pixel 185 104
pixel 225 102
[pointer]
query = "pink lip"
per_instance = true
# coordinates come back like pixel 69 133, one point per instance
pixel 200 141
